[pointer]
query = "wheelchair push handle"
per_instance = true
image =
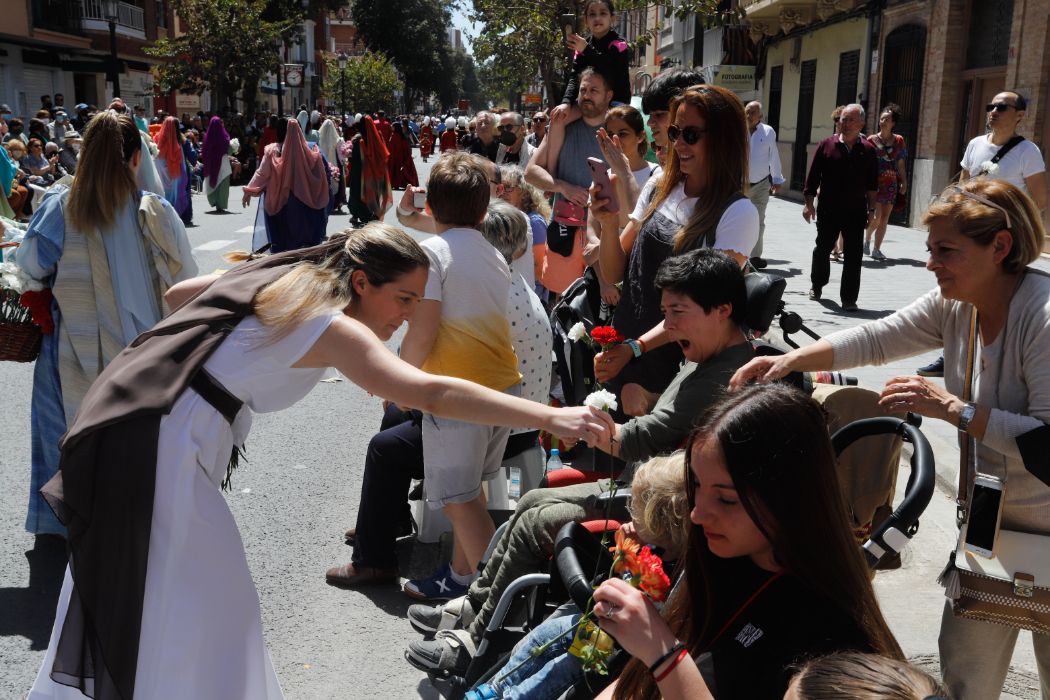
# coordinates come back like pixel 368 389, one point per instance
pixel 894 533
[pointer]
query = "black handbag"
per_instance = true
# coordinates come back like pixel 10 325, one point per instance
pixel 579 303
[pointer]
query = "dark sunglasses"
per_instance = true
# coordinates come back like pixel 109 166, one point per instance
pixel 998 107
pixel 539 119
pixel 690 134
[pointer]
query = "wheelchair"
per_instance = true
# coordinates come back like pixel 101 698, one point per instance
pixel 579 556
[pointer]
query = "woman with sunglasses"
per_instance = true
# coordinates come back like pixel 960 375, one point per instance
pixel 699 202
pixel 983 235
pixel 773 575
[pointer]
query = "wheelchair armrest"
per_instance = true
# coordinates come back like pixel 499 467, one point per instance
pixel 570 475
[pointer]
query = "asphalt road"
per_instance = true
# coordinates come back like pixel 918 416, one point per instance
pixel 293 499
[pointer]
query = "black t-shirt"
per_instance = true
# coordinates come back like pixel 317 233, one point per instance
pixel 478 146
pixel 786 624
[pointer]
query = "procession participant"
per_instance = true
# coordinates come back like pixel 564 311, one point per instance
pixel 448 136
pixel 399 164
pixel 108 252
pixel 426 139
pixel 293 179
pixel 215 153
pixel 329 142
pixel 370 194
pixel 171 167
pixel 143 462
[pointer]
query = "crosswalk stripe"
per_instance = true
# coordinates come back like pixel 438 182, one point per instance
pixel 214 245
pixel 246 229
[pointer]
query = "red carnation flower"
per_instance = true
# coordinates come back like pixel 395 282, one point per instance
pixel 652 579
pixel 39 305
pixel 606 336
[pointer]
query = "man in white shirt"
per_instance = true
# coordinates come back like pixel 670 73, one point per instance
pixel 764 171
pixel 1022 165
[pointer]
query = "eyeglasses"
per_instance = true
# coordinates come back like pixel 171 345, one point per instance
pixel 690 134
pixel 975 197
pixel 497 179
pixel 998 107
pixel 508 127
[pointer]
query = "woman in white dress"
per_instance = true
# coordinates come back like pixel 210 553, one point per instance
pixel 200 634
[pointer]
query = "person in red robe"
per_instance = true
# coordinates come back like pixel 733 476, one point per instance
pixel 402 169
pixel 426 139
pixel 448 136
pixel 384 126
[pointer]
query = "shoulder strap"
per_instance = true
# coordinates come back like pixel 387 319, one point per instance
pixel 1006 148
pixel 966 442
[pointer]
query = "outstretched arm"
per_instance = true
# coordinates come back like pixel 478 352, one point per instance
pixel 355 351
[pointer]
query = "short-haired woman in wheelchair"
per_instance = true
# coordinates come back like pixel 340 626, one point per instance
pixel 983 235
pixel 773 574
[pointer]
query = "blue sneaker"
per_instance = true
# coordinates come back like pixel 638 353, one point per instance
pixel 438 586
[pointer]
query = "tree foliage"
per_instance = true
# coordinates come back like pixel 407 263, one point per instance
pixel 413 34
pixel 522 38
pixel 370 83
pixel 224 44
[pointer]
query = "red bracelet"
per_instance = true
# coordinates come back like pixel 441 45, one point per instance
pixel 667 671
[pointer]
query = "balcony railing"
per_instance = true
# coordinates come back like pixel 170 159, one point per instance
pixel 128 15
pixel 57 15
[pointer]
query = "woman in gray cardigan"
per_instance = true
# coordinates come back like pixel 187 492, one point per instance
pixel 983 234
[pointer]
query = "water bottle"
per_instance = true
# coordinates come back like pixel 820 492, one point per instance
pixel 554 462
pixel 514 489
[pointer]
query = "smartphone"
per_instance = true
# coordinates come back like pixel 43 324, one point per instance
pixel 419 200
pixel 601 178
pixel 986 510
pixel 568 25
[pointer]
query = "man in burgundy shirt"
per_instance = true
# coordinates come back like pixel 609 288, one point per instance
pixel 845 172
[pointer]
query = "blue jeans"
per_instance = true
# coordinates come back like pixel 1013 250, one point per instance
pixel 547 676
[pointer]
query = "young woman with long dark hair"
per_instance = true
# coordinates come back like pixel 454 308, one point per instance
pixel 773 574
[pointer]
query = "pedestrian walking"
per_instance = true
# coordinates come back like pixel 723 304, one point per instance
pixel 448 136
pixel 215 154
pixel 293 180
pixel 370 194
pixel 143 463
pixel 399 163
pixel 764 171
pixel 893 177
pixel 845 171
pixel 1003 154
pixel 990 312
pixel 426 139
pixel 171 167
pixel 108 252
pixel 329 142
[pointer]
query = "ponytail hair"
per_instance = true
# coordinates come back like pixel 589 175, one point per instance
pixel 383 252
pixel 104 180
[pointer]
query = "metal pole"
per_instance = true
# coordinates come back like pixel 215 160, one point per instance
pixel 114 74
pixel 280 92
pixel 342 92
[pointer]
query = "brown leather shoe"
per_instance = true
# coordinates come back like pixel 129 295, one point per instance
pixel 348 576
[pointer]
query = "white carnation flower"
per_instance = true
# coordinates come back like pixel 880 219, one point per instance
pixel 989 168
pixel 602 399
pixel 578 332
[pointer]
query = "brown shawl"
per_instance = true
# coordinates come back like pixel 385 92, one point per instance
pixel 104 489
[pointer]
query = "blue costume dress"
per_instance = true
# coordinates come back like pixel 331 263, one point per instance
pixel 40 255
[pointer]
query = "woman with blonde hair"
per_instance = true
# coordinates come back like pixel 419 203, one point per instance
pixel 698 202
pixel 520 194
pixel 983 237
pixel 108 252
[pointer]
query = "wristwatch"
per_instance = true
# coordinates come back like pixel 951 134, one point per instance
pixel 635 346
pixel 969 410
